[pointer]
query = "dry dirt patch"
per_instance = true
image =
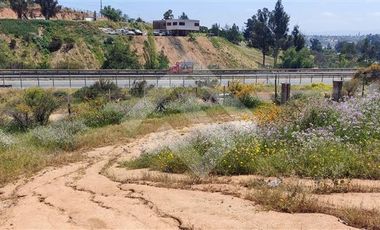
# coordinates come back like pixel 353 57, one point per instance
pixel 95 193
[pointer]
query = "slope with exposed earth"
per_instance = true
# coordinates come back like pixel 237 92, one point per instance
pixel 96 193
pixel 60 44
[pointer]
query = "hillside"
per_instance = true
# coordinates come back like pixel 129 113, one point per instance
pixel 81 45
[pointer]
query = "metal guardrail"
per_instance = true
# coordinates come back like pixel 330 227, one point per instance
pixel 125 78
pixel 166 72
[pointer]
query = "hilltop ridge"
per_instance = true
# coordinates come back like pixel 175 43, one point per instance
pixel 28 44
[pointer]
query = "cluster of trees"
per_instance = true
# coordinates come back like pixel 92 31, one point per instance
pixel 347 54
pixel 169 15
pixel 49 8
pixel 231 33
pixel 119 55
pixel 115 15
pixel 268 31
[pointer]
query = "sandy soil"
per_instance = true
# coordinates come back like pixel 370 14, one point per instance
pixel 201 52
pixel 96 194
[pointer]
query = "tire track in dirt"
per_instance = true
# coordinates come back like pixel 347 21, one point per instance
pixel 85 196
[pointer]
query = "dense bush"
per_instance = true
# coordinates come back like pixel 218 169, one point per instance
pixel 6 140
pixel 55 44
pixel 101 88
pixel 120 56
pixel 33 107
pixel 103 117
pixel 139 88
pixel 61 135
pixel 244 93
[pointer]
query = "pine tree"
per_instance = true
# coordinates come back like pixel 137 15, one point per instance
pixel 279 24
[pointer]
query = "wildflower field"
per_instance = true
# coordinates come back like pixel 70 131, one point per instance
pixel 309 137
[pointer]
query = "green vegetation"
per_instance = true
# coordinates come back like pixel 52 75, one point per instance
pixel 20 7
pixel 99 114
pixel 297 59
pixel 49 8
pixel 120 56
pixel 154 60
pixel 113 14
pixel 306 138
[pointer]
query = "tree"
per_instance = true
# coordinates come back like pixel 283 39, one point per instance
pixel 233 34
pixel 112 14
pixel 168 15
pixel 150 54
pixel 297 59
pixel 279 24
pixel 49 8
pixel 34 107
pixel 163 61
pixel 298 39
pixel 258 33
pixel 183 16
pixel 215 29
pixel 316 45
pixel 20 7
pixel 120 56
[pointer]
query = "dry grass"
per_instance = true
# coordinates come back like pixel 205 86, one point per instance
pixel 285 198
pixel 25 159
pixel 295 199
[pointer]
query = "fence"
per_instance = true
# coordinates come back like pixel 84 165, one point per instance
pixel 125 79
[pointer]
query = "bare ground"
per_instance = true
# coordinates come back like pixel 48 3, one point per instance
pixel 96 194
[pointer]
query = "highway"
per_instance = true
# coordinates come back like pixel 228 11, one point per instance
pixel 125 78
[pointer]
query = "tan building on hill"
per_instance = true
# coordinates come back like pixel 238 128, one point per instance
pixel 176 27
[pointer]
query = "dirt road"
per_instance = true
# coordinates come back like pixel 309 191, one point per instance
pixel 85 195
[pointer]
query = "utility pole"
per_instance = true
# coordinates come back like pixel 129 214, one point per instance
pixel 101 7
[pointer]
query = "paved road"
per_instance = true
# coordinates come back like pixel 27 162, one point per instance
pixel 78 79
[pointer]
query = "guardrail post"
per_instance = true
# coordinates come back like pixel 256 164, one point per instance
pixel 170 82
pixel 285 93
pixel 157 81
pixel 311 79
pixel 70 81
pixel 220 79
pixel 257 80
pixel 244 79
pixel 85 80
pixel 129 82
pixel 38 81
pixel 183 81
pixel 337 90
pixel 3 80
pixel 20 80
pixel 322 77
pixel 53 82
pixel 267 80
pixel 300 79
pixel 116 79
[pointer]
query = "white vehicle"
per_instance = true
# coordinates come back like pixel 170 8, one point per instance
pixel 120 31
pixel 137 32
pixel 130 33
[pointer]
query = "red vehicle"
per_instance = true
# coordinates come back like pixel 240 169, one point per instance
pixel 182 67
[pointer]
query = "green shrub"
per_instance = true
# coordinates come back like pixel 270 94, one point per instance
pixel 250 101
pixel 34 107
pixel 139 88
pixel 103 117
pixel 55 44
pixel 102 88
pixel 165 161
pixel 61 135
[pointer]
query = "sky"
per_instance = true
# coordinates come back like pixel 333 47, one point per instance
pixel 322 17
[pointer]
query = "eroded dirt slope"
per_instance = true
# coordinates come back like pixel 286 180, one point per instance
pixel 86 195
